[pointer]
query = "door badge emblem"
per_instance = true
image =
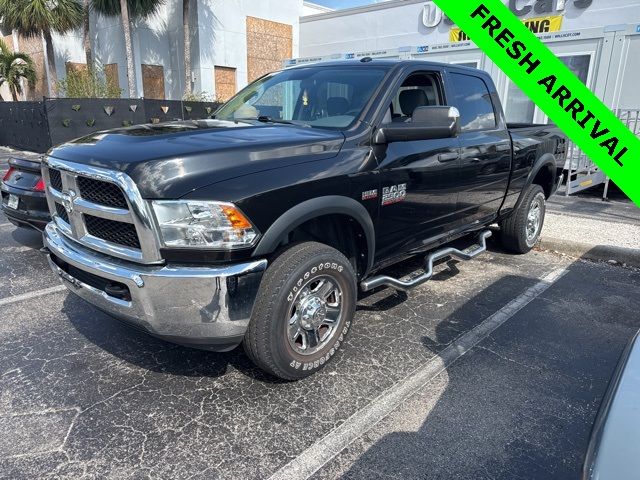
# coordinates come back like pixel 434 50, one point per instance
pixel 370 194
pixel 394 194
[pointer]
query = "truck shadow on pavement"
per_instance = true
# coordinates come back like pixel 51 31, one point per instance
pixel 27 237
pixel 519 405
pixel 145 351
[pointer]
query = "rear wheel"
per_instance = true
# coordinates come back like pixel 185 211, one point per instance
pixel 303 312
pixel 521 231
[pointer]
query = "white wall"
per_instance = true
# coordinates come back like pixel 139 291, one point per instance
pixel 398 23
pixel 223 33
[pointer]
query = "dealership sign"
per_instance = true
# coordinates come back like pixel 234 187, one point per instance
pixel 432 15
pixel 536 25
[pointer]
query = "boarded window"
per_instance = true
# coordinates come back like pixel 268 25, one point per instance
pixel 33 47
pixel 153 81
pixel 225 83
pixel 111 75
pixel 268 44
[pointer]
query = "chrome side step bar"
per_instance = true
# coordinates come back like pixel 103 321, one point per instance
pixel 405 286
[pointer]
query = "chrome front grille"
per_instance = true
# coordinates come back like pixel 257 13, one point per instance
pixel 116 232
pixel 62 213
pixel 56 179
pixel 101 209
pixel 103 193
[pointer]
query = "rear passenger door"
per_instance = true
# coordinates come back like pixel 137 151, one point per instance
pixel 485 148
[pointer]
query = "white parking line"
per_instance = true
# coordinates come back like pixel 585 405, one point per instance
pixel 325 449
pixel 30 295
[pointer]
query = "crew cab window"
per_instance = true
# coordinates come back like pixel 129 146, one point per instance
pixel 318 96
pixel 473 100
pixel 418 90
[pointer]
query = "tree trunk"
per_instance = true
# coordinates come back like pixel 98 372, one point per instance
pixel 126 26
pixel 86 39
pixel 187 46
pixel 14 94
pixel 52 75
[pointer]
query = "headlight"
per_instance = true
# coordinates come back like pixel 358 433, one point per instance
pixel 197 223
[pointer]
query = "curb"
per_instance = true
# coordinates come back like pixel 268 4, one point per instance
pixel 603 253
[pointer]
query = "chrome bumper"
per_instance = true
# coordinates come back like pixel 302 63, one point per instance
pixel 208 307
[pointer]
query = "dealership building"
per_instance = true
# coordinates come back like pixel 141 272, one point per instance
pixel 598 39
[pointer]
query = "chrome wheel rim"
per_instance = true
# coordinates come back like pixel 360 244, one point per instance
pixel 314 315
pixel 534 218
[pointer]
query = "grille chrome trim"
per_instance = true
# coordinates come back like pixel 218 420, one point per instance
pixel 138 213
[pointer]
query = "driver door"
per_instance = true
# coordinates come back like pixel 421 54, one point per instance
pixel 418 179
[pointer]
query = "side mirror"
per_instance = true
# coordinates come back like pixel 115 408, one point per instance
pixel 427 123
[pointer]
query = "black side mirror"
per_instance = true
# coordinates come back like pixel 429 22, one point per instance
pixel 427 123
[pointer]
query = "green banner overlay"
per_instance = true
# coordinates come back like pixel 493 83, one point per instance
pixel 589 123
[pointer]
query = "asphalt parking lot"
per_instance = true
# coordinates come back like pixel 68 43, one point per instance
pixel 495 369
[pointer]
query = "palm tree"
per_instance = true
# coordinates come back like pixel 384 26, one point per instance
pixel 13 68
pixel 128 10
pixel 33 18
pixel 186 5
pixel 86 40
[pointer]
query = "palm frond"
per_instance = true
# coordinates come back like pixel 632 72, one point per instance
pixel 14 67
pixel 31 17
pixel 138 9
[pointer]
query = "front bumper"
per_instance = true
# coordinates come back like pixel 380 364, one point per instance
pixel 205 307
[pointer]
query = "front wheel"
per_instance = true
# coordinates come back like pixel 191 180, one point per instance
pixel 303 312
pixel 521 230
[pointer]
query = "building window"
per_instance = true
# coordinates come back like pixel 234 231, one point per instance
pixel 520 109
pixel 268 45
pixel 466 64
pixel 225 80
pixel 153 81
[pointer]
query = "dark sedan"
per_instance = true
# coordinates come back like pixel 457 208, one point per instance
pixel 23 199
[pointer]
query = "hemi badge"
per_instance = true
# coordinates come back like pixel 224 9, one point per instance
pixel 370 194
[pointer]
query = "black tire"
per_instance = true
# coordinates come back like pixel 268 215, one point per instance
pixel 288 285
pixel 515 230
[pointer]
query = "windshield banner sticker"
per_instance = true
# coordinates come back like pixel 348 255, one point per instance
pixel 590 124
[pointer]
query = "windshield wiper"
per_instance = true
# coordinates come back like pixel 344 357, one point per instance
pixel 268 119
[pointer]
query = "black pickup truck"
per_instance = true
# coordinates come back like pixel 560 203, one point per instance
pixel 259 225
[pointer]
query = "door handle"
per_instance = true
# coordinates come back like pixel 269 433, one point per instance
pixel 503 148
pixel 448 157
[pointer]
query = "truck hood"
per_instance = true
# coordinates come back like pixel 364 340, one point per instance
pixel 169 160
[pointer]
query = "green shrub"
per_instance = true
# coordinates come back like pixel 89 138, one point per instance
pixel 199 97
pixel 87 84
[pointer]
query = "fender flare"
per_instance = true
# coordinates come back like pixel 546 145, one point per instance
pixel 545 161
pixel 317 207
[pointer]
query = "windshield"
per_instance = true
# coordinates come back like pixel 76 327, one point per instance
pixel 330 97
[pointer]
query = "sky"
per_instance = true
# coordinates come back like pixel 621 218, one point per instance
pixel 337 4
